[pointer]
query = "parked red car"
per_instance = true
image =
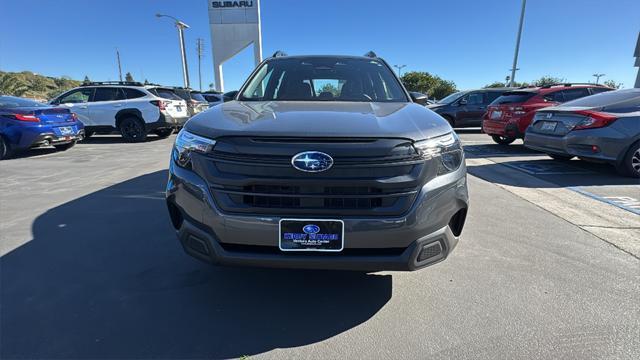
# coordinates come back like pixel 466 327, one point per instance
pixel 509 115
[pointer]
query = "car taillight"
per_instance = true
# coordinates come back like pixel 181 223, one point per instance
pixel 25 117
pixel 73 117
pixel 162 105
pixel 594 119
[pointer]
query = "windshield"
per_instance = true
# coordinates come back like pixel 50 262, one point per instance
pixel 451 98
pixel 324 79
pixel 10 102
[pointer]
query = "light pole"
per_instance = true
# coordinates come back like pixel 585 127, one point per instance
pixel 399 67
pixel 181 26
pixel 598 76
pixel 515 56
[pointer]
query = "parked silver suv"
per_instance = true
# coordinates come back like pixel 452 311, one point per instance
pixel 131 108
pixel 319 162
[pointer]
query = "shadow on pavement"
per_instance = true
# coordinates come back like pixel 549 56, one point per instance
pixel 105 277
pixel 496 150
pixel 114 139
pixel 555 174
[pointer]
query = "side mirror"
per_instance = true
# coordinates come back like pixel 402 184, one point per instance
pixel 462 102
pixel 230 95
pixel 419 98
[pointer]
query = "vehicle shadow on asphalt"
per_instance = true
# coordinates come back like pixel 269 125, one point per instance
pixel 115 139
pixel 496 150
pixel 105 277
pixel 553 173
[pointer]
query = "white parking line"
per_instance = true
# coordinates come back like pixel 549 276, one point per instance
pixel 623 202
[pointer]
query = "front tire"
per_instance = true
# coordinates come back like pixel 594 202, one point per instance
pixel 503 140
pixel 65 147
pixel 132 130
pixel 631 163
pixel 164 133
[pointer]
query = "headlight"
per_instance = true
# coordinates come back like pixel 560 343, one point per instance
pixel 445 148
pixel 186 143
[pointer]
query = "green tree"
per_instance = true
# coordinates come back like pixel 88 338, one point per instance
pixel 548 80
pixel 330 88
pixel 128 77
pixel 12 84
pixel 612 84
pixel 429 84
pixel 499 84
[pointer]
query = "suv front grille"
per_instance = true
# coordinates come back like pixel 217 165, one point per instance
pixel 262 181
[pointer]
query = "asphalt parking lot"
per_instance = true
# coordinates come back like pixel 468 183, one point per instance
pixel 548 267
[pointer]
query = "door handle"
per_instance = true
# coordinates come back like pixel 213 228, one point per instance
pixel 117 105
pixel 83 107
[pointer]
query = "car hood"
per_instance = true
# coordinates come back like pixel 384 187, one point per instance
pixel 318 119
pixel 436 106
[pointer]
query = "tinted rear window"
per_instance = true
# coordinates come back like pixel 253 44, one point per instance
pixel 198 97
pixel 492 95
pixel 9 102
pixel 165 93
pixel 610 100
pixel 107 94
pixel 133 93
pixel 513 97
pixel 212 98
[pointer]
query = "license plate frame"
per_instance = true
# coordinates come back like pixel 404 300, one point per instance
pixel 495 115
pixel 292 235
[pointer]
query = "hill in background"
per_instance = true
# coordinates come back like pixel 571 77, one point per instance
pixel 34 86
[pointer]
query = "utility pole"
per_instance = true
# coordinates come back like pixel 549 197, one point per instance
pixel 399 67
pixel 598 76
pixel 119 65
pixel 515 56
pixel 200 50
pixel 181 26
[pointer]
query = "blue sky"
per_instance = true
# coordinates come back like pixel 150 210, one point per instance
pixel 468 41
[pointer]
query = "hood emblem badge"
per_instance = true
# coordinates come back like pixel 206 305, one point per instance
pixel 312 161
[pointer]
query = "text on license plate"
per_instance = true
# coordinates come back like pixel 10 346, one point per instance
pixel 66 130
pixel 496 115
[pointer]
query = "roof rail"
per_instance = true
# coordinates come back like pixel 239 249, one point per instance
pixel 129 83
pixel 279 53
pixel 567 85
pixel 371 54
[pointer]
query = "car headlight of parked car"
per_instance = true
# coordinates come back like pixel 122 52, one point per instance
pixel 446 147
pixel 187 143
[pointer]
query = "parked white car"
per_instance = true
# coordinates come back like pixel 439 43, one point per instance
pixel 131 108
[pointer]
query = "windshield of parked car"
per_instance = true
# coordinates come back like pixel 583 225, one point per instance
pixel 324 79
pixel 10 102
pixel 451 98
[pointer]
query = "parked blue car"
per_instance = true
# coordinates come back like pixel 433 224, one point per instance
pixel 26 124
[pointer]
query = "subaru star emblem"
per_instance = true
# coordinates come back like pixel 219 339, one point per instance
pixel 312 161
pixel 311 229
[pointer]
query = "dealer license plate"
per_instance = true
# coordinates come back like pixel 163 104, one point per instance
pixel 311 235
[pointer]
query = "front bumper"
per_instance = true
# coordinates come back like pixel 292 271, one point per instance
pixel 431 227
pixel 610 144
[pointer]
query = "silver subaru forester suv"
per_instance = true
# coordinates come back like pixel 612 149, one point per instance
pixel 319 162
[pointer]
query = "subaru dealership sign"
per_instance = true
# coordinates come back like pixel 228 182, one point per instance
pixel 234 26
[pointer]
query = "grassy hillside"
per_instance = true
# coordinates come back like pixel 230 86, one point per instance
pixel 28 84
